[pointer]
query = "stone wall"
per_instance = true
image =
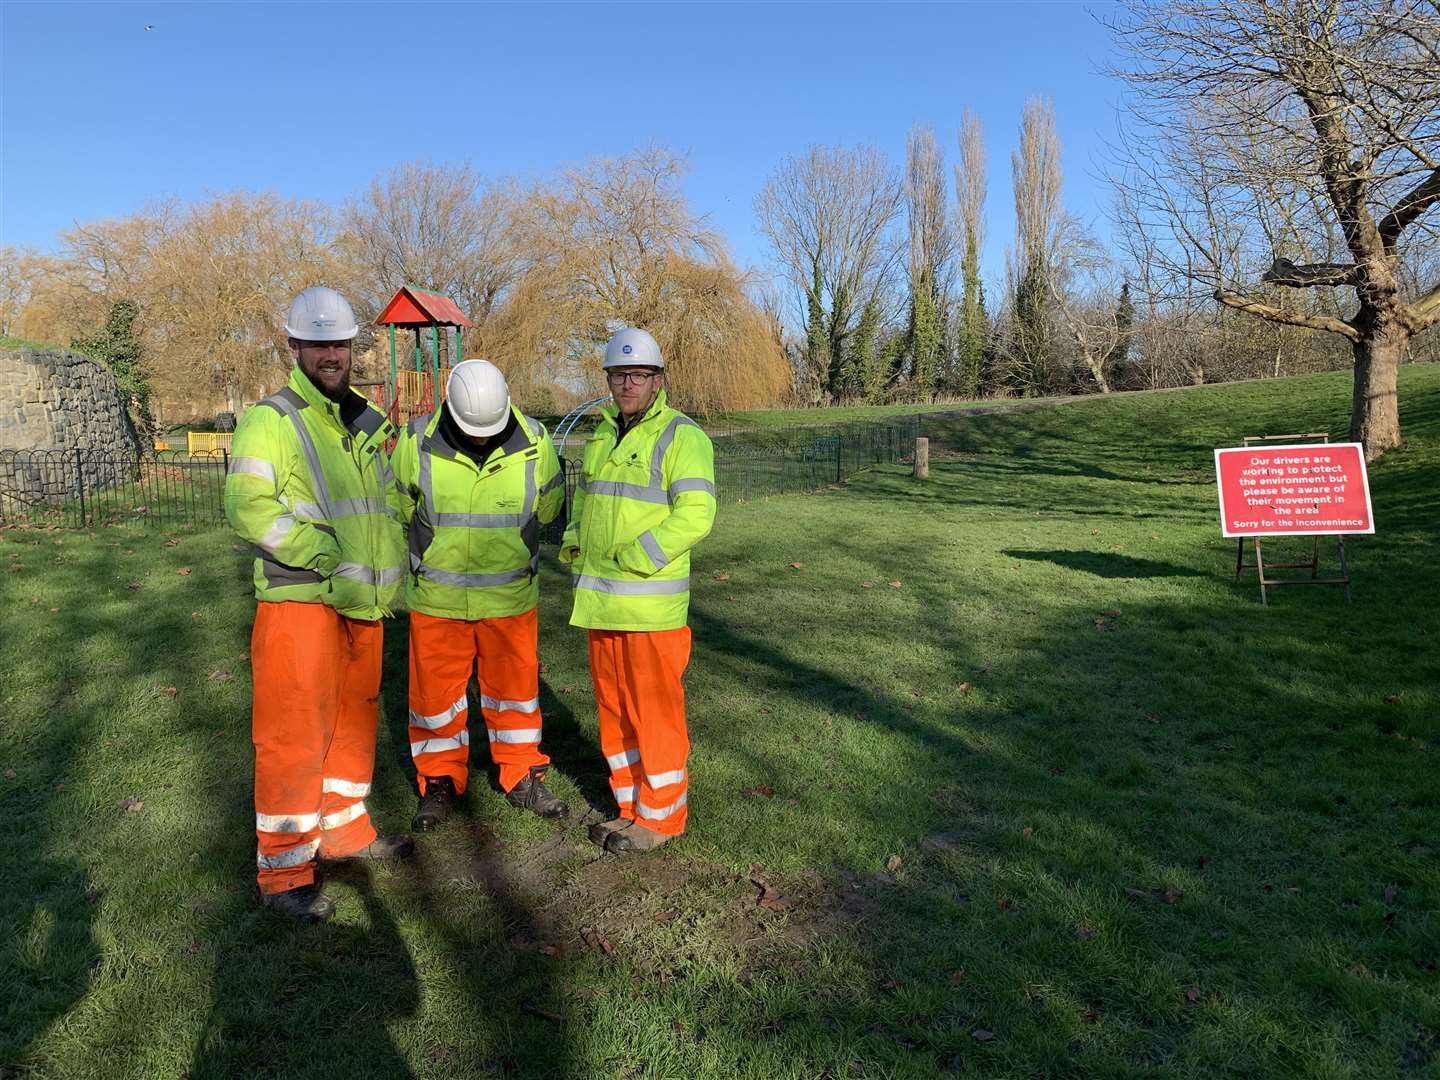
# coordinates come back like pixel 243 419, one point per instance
pixel 65 431
pixel 60 400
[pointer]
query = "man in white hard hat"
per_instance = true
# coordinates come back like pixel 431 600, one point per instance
pixel 474 483
pixel 647 498
pixel 307 485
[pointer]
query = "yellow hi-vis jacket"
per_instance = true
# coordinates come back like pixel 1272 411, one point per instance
pixel 308 488
pixel 644 502
pixel 474 532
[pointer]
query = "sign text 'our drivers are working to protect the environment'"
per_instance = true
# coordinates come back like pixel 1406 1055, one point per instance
pixel 1293 490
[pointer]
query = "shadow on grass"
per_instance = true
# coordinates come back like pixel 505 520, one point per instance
pixel 479 910
pixel 1106 564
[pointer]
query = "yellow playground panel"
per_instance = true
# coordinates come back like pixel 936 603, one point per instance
pixel 208 442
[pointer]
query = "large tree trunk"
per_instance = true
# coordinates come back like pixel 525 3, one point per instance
pixel 1375 409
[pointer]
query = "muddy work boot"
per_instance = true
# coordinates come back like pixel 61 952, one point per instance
pixel 635 839
pixel 601 830
pixel 435 803
pixel 532 794
pixel 305 903
pixel 378 850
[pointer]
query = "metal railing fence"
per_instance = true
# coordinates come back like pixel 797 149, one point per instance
pixel 82 488
pixel 79 488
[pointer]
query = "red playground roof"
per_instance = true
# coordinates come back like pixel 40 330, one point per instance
pixel 413 306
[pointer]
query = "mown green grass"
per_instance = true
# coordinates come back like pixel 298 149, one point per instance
pixel 1196 838
pixel 9 342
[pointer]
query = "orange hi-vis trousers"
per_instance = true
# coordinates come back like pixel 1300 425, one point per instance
pixel 443 652
pixel 314 716
pixel 641 704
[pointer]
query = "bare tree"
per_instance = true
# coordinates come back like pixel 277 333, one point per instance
pixel 972 331
pixel 615 243
pixel 828 215
pixel 436 227
pixel 930 258
pixel 1268 131
pixel 1090 306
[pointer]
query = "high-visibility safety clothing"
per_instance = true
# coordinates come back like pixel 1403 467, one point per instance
pixel 641 704
pixel 645 500
pixel 307 485
pixel 474 530
pixel 443 653
pixel 316 707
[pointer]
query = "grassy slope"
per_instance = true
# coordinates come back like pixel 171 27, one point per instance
pixel 1196 839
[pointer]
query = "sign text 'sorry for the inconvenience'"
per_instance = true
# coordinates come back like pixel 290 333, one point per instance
pixel 1306 490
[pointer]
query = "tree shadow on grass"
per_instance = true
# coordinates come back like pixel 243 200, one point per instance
pixel 50 956
pixel 1050 887
pixel 289 999
pixel 1106 564
pixel 477 910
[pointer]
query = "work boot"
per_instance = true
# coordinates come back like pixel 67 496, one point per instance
pixel 635 839
pixel 601 830
pixel 434 804
pixel 398 846
pixel 532 794
pixel 306 903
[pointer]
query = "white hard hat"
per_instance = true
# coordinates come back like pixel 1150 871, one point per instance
pixel 321 314
pixel 478 398
pixel 632 348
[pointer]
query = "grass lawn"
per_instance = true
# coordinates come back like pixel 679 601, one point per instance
pixel 1036 787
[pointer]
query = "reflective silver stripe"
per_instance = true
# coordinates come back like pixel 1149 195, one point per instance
pixel 624 794
pixel 275 535
pixel 472 581
pixel 515 735
pixel 657 459
pixel 692 483
pixel 286 859
pixel 440 719
pixel 631 588
pixel 307 447
pixel 286 822
pixel 626 491
pixel 343 817
pixel 653 492
pixel 388 576
pixel 433 746
pixel 649 813
pixel 653 549
pixel 625 757
pixel 665 779
pixel 335 786
pixel 528 506
pixel 500 704
pixel 252 466
pixel 310 510
pixel 554 482
pixel 356 507
pixel 479 521
pixel 427 494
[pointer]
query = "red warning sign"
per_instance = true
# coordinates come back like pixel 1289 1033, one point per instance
pixel 1315 489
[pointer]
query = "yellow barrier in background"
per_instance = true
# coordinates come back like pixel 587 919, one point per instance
pixel 207 442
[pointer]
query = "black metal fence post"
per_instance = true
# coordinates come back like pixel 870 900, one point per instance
pixel 80 483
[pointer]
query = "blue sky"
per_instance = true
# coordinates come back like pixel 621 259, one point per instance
pixel 101 116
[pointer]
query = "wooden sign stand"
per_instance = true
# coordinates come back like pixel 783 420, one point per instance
pixel 1313 565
